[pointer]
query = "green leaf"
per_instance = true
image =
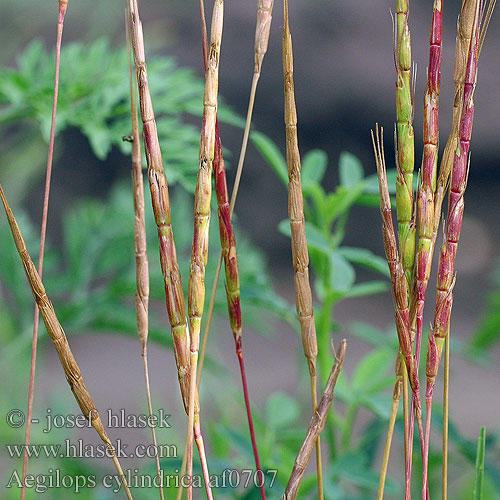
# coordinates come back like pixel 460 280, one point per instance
pixel 339 202
pixel 479 468
pixel 342 274
pixel 316 240
pixel 371 372
pixel 372 335
pixel 281 410
pixel 372 185
pixel 271 154
pixel 350 170
pixel 380 404
pixel 488 333
pixel 313 168
pixel 366 258
pixel 367 288
pixel 353 467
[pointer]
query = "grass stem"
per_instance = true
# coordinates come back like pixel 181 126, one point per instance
pixel 140 247
pixel 446 409
pixel 315 427
pixel 388 439
pixel 59 340
pixel 63 4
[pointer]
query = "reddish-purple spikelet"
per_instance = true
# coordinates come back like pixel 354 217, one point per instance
pixel 444 299
pixel 432 364
pixel 425 195
pixel 228 240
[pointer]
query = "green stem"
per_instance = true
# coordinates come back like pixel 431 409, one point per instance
pixel 323 328
pixel 352 411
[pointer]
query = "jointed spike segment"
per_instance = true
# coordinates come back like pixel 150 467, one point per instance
pixel 60 342
pixel 300 254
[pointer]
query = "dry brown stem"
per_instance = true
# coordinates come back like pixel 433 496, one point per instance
pixel 315 427
pixel 58 337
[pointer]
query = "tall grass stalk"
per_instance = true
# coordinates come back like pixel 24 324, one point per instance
pixel 426 189
pixel 263 26
pixel 300 254
pixel 479 469
pixel 168 255
pixel 315 426
pixel 405 159
pixel 202 199
pixel 396 395
pixel 446 267
pixel 63 5
pixel 405 145
pixel 58 337
pixel 228 242
pixel 400 295
pixel 140 246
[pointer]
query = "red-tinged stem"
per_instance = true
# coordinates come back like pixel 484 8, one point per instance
pixel 231 263
pixel 63 4
pixel 415 410
pixel 201 449
pixel 425 458
pixel 239 353
pixel 425 200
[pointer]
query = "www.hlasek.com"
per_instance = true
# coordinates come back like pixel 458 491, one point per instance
pixel 229 478
pixel 79 449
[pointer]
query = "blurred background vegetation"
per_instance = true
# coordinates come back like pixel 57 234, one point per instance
pixel 344 83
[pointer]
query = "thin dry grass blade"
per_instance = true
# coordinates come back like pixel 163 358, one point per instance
pixel 228 252
pixel 140 248
pixel 58 337
pixel 446 410
pixel 264 16
pixel 202 200
pixel 161 208
pixel 396 395
pixel 168 255
pixel 300 254
pixel 400 296
pixel 315 427
pixel 63 4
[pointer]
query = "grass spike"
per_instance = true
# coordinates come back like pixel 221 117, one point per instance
pixel 300 254
pixel 140 247
pixel 228 252
pixel 60 342
pixel 400 296
pixel 168 255
pixel 63 5
pixel 202 200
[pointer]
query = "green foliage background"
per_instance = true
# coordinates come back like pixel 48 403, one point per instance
pixel 90 276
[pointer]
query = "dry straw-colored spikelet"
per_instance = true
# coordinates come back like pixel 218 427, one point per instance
pixel 140 247
pixel 228 252
pixel 161 209
pixel 58 337
pixel 63 5
pixel 300 255
pixel 399 292
pixel 202 200
pixel 168 255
